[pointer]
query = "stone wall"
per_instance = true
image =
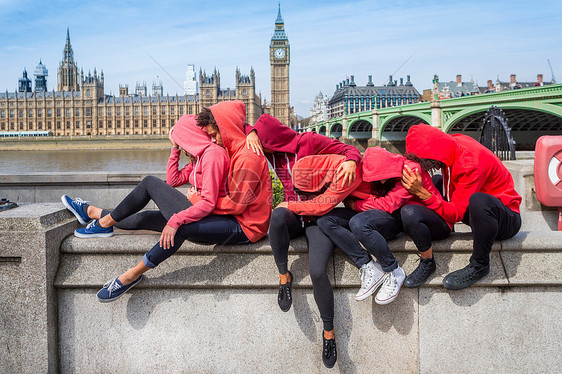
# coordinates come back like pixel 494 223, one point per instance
pixel 103 189
pixel 213 309
pixel 30 238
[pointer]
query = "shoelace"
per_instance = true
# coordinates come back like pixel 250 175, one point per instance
pixel 390 282
pixel 329 347
pixel 284 292
pixel 80 202
pixel 365 276
pixel 112 286
pixel 91 224
pixel 421 270
pixel 470 275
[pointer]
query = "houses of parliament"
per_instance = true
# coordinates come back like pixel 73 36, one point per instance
pixel 79 105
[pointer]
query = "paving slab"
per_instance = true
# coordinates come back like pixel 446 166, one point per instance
pixel 534 241
pixel 490 330
pixel 533 268
pixel 230 331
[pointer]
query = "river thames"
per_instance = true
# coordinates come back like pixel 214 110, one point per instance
pixel 128 161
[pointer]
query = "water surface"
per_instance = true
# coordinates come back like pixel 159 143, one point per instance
pixel 143 161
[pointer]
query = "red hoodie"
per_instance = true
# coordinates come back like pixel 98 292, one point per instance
pixel 317 174
pixel 471 168
pixel 211 168
pixel 249 182
pixel 379 164
pixel 290 146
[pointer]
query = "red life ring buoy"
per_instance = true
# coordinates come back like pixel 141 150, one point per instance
pixel 555 169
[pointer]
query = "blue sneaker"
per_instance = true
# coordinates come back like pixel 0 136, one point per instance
pixel 75 206
pixel 93 230
pixel 114 289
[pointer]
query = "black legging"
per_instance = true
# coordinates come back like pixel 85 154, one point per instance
pixel 285 225
pixel 490 220
pixel 145 220
pixel 423 225
pixel 211 229
pixel 168 200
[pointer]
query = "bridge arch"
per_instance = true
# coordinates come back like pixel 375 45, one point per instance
pixel 360 129
pixel 395 127
pixel 528 121
pixel 336 130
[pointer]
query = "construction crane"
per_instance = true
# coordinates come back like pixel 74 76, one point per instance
pixel 551 71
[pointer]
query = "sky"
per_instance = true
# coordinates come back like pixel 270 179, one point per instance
pixel 330 40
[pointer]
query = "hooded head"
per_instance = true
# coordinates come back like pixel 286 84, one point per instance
pixel 190 137
pixel 312 173
pixel 379 164
pixel 276 136
pixel 428 142
pixel 230 117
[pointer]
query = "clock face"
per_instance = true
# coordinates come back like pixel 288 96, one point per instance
pixel 279 53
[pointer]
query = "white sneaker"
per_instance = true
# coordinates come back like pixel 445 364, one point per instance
pixel 372 277
pixel 391 286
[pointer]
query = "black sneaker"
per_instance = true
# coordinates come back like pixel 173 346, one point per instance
pixel 465 277
pixel 329 352
pixel 425 268
pixel 284 298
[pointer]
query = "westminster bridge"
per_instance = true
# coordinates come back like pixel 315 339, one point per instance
pixel 531 112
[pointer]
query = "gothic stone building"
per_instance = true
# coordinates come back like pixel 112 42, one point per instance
pixel 79 106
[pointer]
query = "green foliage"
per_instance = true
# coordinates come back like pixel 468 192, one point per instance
pixel 278 190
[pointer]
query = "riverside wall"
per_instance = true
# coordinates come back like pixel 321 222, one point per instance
pixel 213 309
pixel 57 143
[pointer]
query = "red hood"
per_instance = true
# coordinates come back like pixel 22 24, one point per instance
pixel 276 136
pixel 311 173
pixel 189 136
pixel 378 164
pixel 429 142
pixel 230 117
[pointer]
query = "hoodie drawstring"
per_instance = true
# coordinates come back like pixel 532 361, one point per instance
pixel 195 172
pixel 289 165
pixel 291 172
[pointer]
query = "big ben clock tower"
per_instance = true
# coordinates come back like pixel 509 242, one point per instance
pixel 279 59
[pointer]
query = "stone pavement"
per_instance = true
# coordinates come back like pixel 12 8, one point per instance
pixel 213 309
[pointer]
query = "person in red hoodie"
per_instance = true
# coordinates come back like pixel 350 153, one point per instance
pixel 249 182
pixel 285 146
pixel 177 218
pixel 318 190
pixel 379 219
pixel 479 191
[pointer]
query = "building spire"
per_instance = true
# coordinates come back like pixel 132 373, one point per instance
pixel 68 54
pixel 279 18
pixel 279 33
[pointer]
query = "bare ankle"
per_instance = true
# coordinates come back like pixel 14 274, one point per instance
pixel 329 334
pixel 285 278
pixel 124 279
